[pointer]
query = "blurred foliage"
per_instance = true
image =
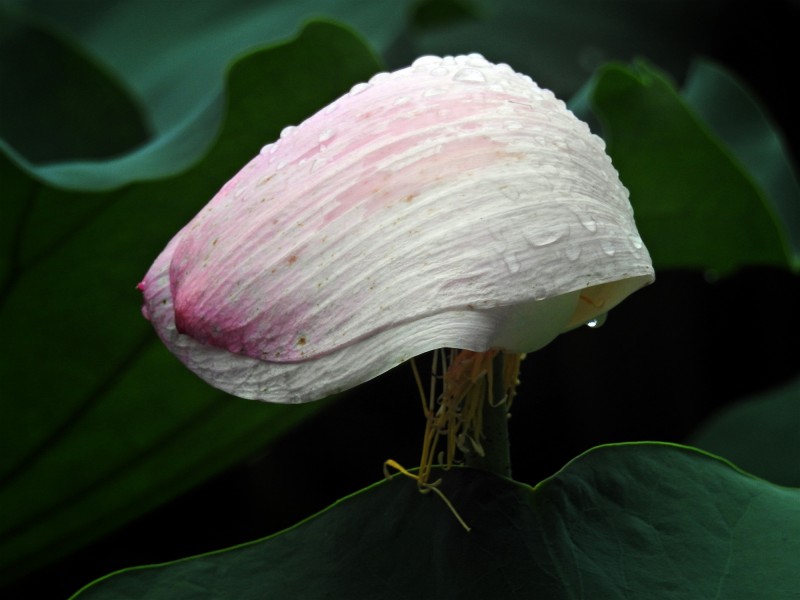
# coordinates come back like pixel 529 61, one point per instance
pixel 105 424
pixel 758 435
pixel 121 119
pixel 696 205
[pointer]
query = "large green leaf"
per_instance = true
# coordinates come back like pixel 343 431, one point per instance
pixel 696 204
pixel 174 55
pixel 626 521
pixel 759 434
pixel 99 422
pixel 739 121
pixel 56 103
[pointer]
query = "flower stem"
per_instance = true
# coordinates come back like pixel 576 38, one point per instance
pixel 496 456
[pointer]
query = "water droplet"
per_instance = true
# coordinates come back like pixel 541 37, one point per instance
pixel 433 92
pixel 576 145
pixel 636 242
pixel 268 149
pixel 330 108
pixel 401 100
pixel 426 61
pixel 546 237
pixel 470 75
pixel 358 88
pixel 280 165
pixel 588 222
pixel 511 193
pixel 440 71
pixel 549 171
pixel 477 60
pixel 325 135
pixel 379 77
pixel 511 262
pixel 599 141
pixel 503 68
pixel 513 125
pixel 598 321
pixel 539 292
pixel 572 253
pixel 608 247
pixel 287 131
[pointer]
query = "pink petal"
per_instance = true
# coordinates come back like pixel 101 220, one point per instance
pixel 449 204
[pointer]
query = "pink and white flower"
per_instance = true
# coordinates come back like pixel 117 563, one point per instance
pixel 452 203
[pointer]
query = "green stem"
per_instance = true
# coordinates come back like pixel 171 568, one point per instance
pixel 496 457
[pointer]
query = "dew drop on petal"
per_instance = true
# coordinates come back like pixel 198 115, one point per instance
pixel 440 71
pixel 325 135
pixel 572 253
pixel 358 88
pixel 546 237
pixel 287 131
pixel 513 125
pixel 379 77
pixel 426 61
pixel 588 222
pixel 608 247
pixel 512 193
pixel 470 75
pixel 430 92
pixel 539 292
pixel 477 60
pixel 511 262
pixel 401 100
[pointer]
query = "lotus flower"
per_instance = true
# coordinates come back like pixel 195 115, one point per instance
pixel 452 203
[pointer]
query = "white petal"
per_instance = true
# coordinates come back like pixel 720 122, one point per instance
pixel 444 205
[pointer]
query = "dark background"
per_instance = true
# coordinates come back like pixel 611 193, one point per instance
pixel 665 360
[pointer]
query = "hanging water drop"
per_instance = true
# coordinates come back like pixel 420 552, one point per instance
pixel 287 131
pixel 598 321
pixel 325 135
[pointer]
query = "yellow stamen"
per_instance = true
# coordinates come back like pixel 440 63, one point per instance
pixel 466 381
pixel 424 487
